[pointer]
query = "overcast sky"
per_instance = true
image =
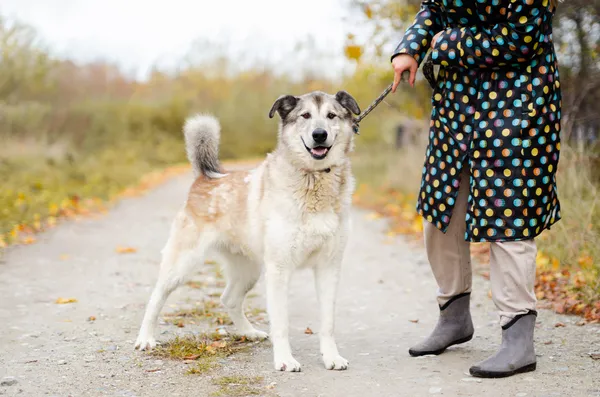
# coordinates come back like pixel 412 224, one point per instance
pixel 139 33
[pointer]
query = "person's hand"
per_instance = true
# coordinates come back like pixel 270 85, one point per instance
pixel 435 38
pixel 401 64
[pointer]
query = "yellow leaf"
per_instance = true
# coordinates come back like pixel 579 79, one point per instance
pixel 125 250
pixel 373 215
pixel 29 240
pixel 417 225
pixel 53 209
pixel 353 51
pixel 368 11
pixel 62 301
pixel 585 261
pixel 542 260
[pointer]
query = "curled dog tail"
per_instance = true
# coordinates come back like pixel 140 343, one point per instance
pixel 202 134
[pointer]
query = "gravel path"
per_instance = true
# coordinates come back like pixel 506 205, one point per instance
pixel 55 349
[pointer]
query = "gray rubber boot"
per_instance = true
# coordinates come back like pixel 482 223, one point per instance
pixel 453 327
pixel 516 353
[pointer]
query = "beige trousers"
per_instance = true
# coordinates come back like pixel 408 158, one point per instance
pixel 512 264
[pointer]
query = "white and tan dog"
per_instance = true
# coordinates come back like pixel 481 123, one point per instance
pixel 292 211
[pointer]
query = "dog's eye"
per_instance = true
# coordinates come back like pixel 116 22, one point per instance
pixel 331 116
pixel 306 115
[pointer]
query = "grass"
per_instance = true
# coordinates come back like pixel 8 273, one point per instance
pixel 238 386
pixel 37 189
pixel 204 311
pixel 201 367
pixel 568 263
pixel 204 349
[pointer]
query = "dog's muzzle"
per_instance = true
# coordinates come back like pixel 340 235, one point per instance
pixel 319 151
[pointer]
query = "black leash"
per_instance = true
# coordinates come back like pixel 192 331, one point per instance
pixel 429 75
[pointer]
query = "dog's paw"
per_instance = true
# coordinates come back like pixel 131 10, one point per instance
pixel 145 342
pixel 287 364
pixel 255 334
pixel 338 362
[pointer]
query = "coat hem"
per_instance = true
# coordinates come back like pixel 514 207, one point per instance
pixel 472 239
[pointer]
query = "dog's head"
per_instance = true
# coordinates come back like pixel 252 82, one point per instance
pixel 317 128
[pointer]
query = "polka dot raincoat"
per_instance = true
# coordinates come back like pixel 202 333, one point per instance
pixel 496 110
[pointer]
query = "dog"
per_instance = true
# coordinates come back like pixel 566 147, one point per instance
pixel 290 212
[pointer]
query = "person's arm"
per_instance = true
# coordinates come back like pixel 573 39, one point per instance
pixel 417 37
pixel 513 42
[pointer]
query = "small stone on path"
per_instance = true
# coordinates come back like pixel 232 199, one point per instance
pixel 8 381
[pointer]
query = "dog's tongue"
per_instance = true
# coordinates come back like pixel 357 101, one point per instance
pixel 319 151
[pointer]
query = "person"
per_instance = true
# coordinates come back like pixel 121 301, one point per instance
pixel 491 161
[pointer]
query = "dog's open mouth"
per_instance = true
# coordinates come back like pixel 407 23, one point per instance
pixel 318 152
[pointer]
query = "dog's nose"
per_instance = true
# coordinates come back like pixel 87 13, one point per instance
pixel 319 135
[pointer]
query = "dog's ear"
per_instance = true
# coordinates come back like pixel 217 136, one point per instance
pixel 283 105
pixel 347 101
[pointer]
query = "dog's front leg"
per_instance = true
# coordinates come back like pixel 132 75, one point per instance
pixel 327 276
pixel 277 278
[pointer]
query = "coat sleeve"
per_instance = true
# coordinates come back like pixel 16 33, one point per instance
pixel 512 42
pixel 417 37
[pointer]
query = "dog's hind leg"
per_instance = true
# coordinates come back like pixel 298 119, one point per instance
pixel 241 274
pixel 182 251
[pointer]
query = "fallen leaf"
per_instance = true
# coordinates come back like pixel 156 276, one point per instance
pixel 125 250
pixel 308 331
pixel 64 257
pixel 485 275
pixel 31 361
pixel 62 301
pixel 559 325
pixel 595 356
pixel 271 385
pixel 153 370
pixel 180 324
pixel 29 240
pixel 92 318
pixel 548 342
pixel 219 344
pixel 373 215
pixel 581 323
pixel 490 294
pixel 194 284
pixel 414 321
pixel 192 357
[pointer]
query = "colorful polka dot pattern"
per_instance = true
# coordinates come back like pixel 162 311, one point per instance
pixel 496 110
